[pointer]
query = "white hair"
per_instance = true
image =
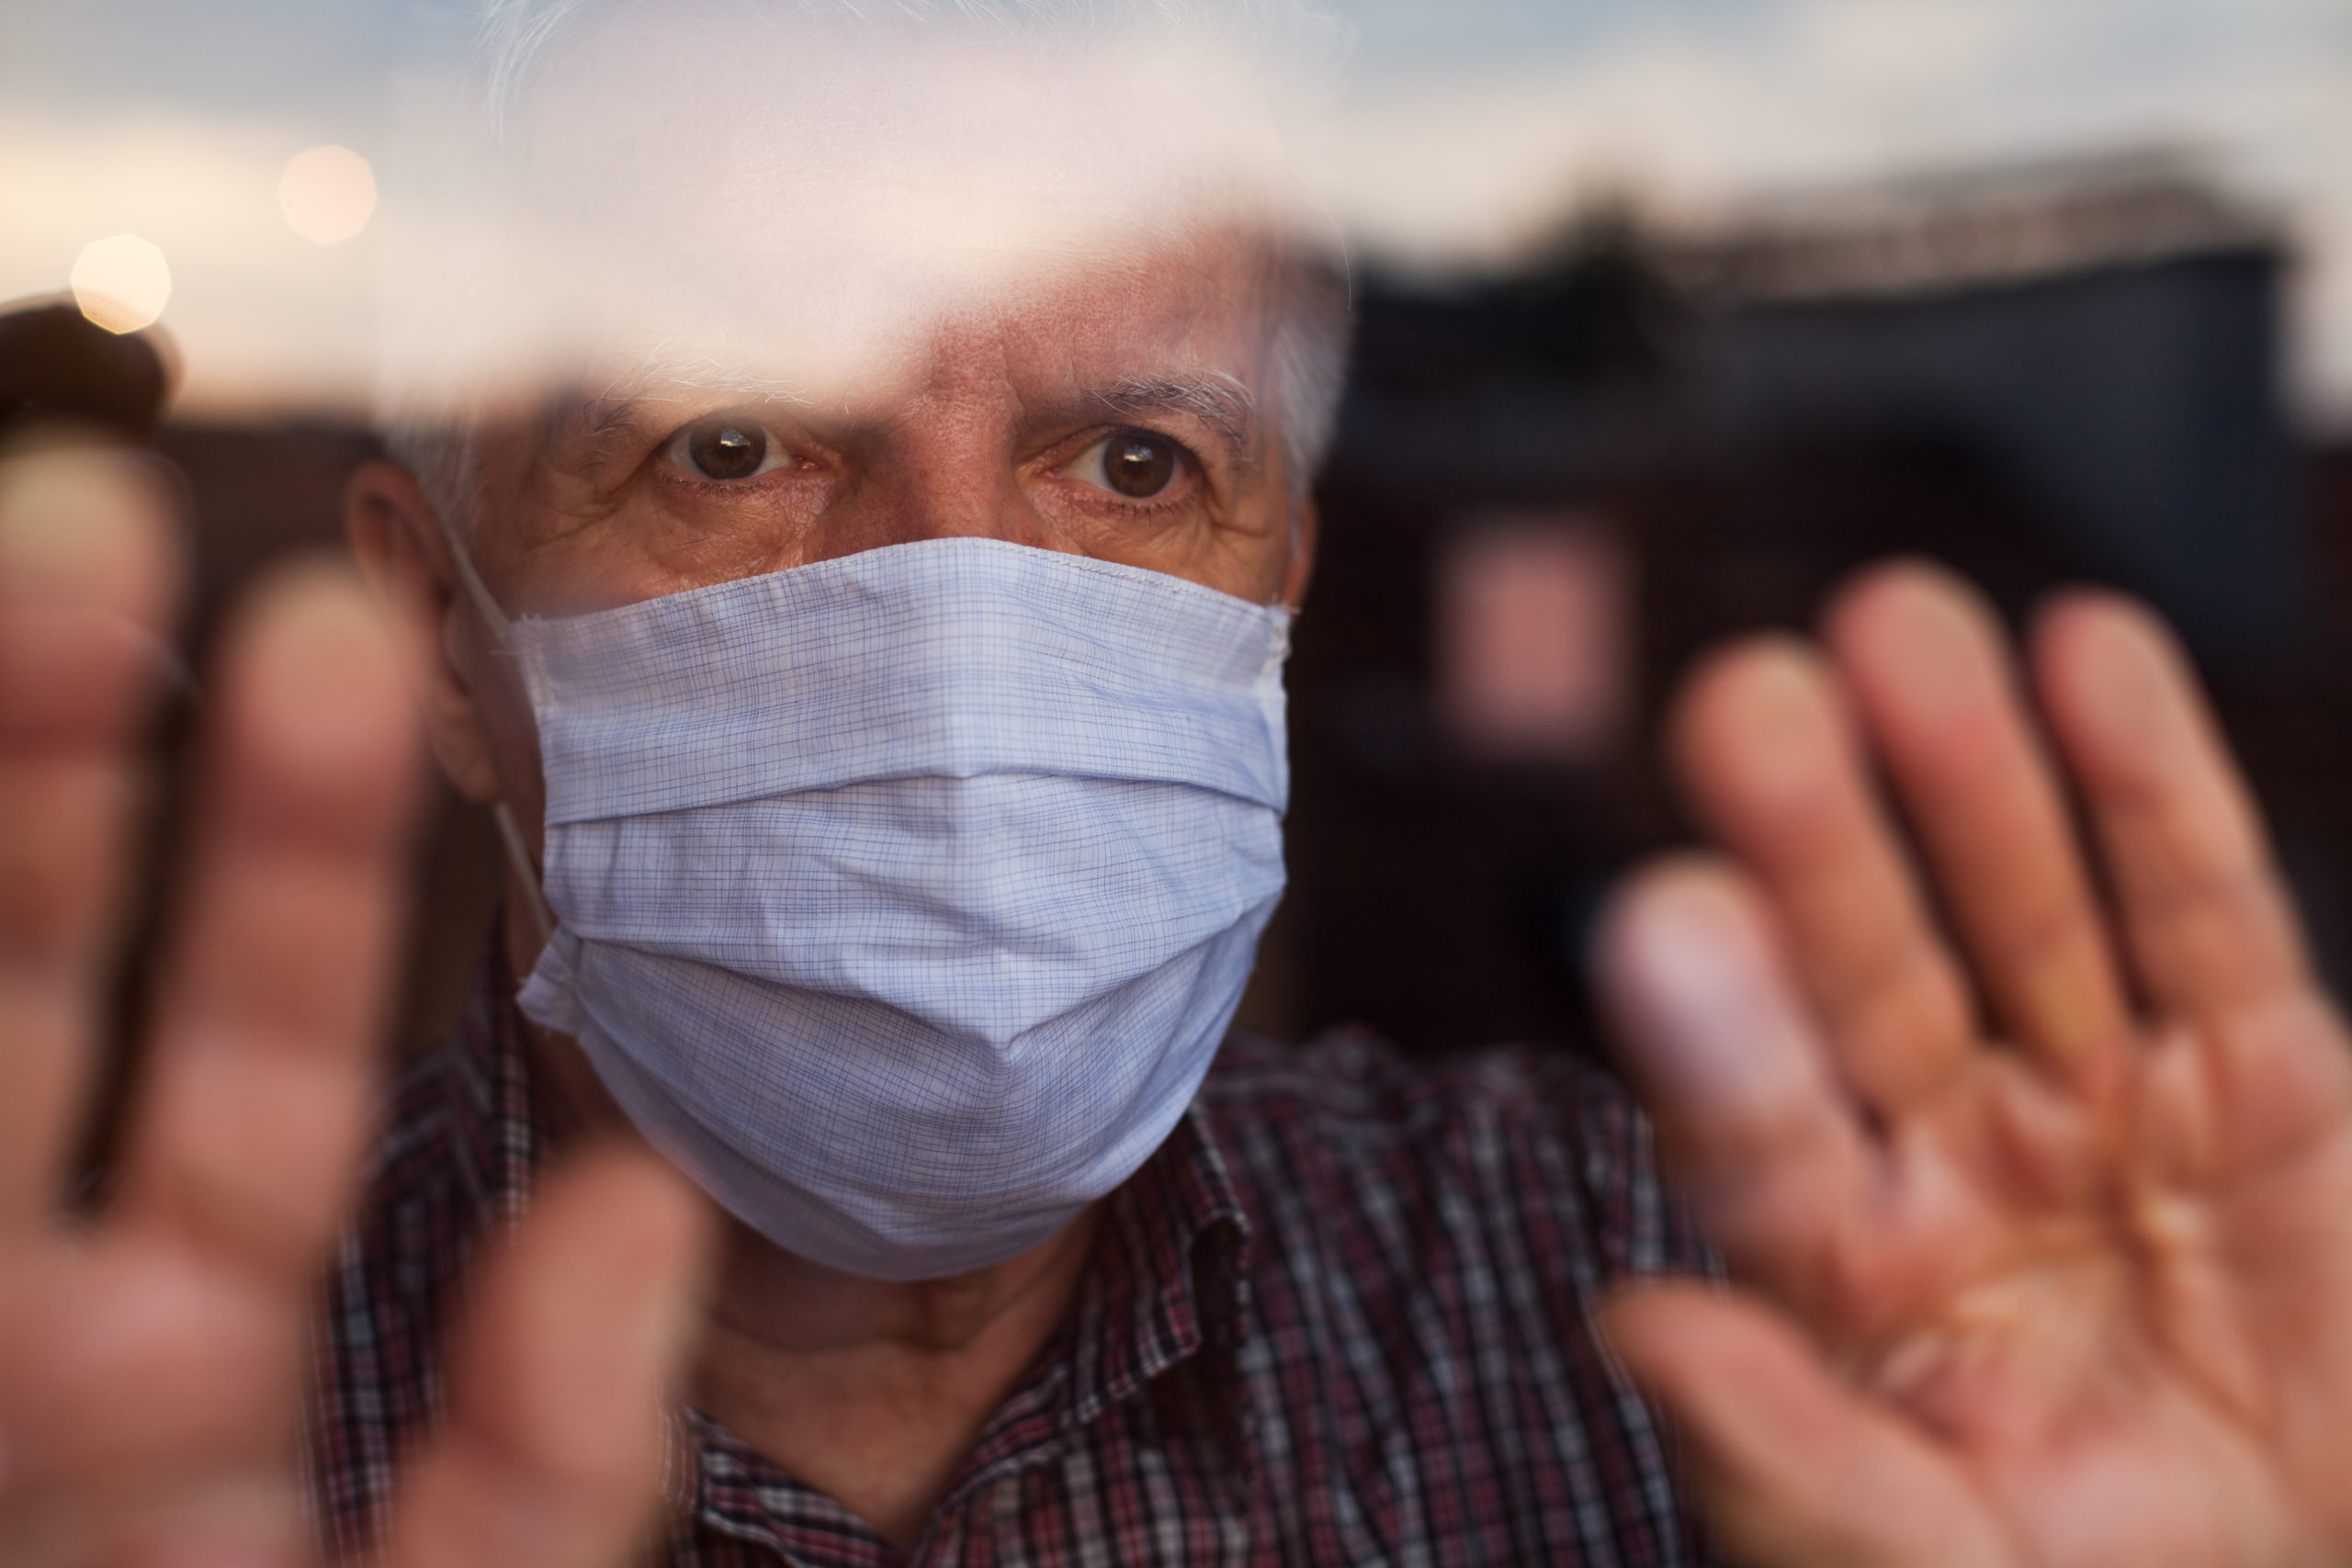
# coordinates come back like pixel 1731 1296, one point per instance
pixel 1312 312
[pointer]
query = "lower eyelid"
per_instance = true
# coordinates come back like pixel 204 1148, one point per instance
pixel 673 474
pixel 1175 501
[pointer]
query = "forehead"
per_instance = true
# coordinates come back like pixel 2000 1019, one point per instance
pixel 833 208
pixel 1182 331
pixel 1200 307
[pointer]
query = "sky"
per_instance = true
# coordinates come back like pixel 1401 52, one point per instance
pixel 1461 128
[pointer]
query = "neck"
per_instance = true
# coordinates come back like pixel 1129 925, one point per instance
pixel 872 1392
pixel 875 1392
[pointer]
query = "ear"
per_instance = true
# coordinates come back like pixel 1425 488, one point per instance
pixel 1305 529
pixel 397 536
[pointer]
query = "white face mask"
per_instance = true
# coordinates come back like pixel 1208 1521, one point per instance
pixel 903 899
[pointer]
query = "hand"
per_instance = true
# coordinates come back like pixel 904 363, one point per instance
pixel 2065 1283
pixel 151 1358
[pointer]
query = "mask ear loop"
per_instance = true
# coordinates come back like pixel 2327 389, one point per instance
pixel 518 855
pixel 519 858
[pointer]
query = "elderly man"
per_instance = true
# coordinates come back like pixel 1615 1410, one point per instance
pixel 882 697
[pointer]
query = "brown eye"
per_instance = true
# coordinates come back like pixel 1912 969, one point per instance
pixel 1139 466
pixel 722 451
pixel 726 447
pixel 1132 463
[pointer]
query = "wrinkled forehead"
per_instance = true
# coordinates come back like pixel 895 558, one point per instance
pixel 827 206
pixel 1198 310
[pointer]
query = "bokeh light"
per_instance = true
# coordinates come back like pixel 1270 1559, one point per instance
pixel 328 194
pixel 121 282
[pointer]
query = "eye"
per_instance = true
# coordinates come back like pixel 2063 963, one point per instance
pixel 726 447
pixel 1131 463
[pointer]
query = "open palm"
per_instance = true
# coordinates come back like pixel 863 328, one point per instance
pixel 152 1359
pixel 2047 1258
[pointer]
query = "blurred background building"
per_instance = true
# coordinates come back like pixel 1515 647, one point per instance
pixel 1554 487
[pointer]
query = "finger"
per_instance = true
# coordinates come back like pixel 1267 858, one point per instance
pixel 1770 756
pixel 86 591
pixel 259 1081
pixel 128 1379
pixel 222 1522
pixel 2208 924
pixel 1927 664
pixel 1755 1127
pixel 554 1444
pixel 1793 1469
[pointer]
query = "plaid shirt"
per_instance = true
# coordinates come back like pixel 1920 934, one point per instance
pixel 1339 1318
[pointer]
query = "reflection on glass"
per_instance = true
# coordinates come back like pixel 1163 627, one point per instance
pixel 121 282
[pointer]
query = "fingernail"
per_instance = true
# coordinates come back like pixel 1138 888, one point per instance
pixel 1697 993
pixel 1688 950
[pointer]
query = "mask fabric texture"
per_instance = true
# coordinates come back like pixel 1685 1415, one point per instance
pixel 903 899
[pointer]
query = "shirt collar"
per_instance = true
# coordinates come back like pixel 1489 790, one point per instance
pixel 1169 1278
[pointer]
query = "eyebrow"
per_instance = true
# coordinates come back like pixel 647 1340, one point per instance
pixel 1220 401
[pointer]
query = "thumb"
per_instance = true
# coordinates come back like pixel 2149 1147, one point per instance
pixel 1792 1467
pixel 552 1452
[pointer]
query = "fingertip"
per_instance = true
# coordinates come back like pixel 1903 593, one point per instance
pixel 2100 630
pixel 1670 926
pixel 1761 740
pixel 1670 881
pixel 1691 975
pixel 1728 679
pixel 596 1304
pixel 574 1349
pixel 329 645
pixel 1644 1323
pixel 1918 639
pixel 2097 602
pixel 1739 1373
pixel 2113 678
pixel 650 1221
pixel 89 585
pixel 1890 589
pixel 88 528
pixel 315 705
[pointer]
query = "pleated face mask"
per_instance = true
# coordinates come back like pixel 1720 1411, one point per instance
pixel 903 899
